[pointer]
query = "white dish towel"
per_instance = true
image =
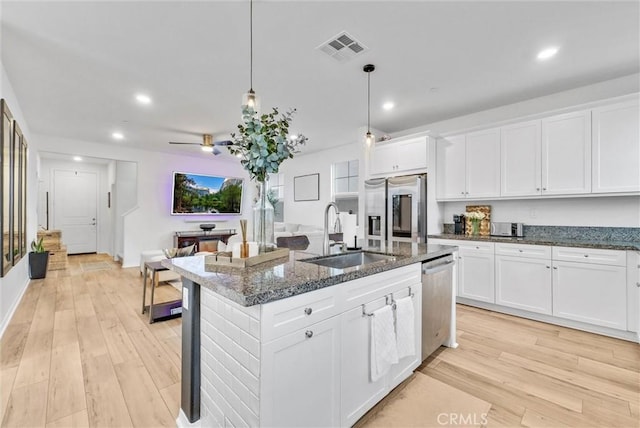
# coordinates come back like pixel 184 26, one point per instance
pixel 383 342
pixel 405 327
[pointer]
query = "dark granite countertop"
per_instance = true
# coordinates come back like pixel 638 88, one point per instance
pixel 561 242
pixel 282 278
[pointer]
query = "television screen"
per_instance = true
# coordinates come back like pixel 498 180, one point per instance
pixel 206 194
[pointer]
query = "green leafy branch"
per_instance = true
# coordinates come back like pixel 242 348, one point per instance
pixel 263 141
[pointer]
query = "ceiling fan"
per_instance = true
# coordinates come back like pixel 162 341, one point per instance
pixel 208 145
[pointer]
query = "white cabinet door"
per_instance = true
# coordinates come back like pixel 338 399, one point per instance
pixel 616 148
pixel 633 291
pixel 450 158
pixel 524 283
pixel 566 154
pixel 412 155
pixel 358 392
pixel 476 277
pixel 483 164
pixel 300 383
pixel 520 159
pixel 383 159
pixel 591 293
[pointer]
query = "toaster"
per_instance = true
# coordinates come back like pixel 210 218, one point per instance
pixel 506 229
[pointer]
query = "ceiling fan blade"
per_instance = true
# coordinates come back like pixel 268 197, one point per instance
pixel 174 142
pixel 223 143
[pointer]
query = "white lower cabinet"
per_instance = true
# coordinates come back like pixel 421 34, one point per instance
pixel 476 274
pixel 319 374
pixel 358 392
pixel 301 372
pixel 523 277
pixel 591 293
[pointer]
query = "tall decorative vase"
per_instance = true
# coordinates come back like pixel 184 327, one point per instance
pixel 475 226
pixel 263 220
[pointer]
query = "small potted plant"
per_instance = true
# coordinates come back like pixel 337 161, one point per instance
pixel 38 260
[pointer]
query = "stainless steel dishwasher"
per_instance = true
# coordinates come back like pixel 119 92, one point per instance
pixel 437 282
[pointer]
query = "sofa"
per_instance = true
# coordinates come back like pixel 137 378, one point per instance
pixel 314 233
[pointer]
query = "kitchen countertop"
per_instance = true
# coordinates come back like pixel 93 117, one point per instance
pixel 562 242
pixel 282 278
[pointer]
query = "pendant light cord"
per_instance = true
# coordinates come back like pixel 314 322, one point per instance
pixel 368 102
pixel 251 44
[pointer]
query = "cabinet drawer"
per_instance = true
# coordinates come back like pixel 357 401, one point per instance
pixel 524 250
pixel 590 255
pixel 287 315
pixel 483 247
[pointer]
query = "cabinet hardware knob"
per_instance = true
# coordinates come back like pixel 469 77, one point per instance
pixel 544 188
pixel 548 267
pixel 308 311
pixel 586 255
pixel 477 248
pixel 555 267
pixel 462 193
pixel 637 284
pixel 537 189
pixel 308 333
pixel 521 251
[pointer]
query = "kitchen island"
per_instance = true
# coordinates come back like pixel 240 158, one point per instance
pixel 286 342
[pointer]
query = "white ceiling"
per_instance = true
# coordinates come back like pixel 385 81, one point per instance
pixel 75 66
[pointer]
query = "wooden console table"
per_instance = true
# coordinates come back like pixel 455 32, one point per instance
pixel 184 239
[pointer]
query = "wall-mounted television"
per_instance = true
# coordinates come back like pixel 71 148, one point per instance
pixel 199 194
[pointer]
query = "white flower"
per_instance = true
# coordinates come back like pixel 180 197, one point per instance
pixel 475 215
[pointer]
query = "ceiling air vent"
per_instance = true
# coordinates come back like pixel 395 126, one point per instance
pixel 342 47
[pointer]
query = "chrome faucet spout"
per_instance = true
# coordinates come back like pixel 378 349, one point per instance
pixel 325 248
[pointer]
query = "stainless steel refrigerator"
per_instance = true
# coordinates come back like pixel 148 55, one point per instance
pixel 396 209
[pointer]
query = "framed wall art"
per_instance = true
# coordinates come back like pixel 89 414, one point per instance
pixel 306 187
pixel 6 133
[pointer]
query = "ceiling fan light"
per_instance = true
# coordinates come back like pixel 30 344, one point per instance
pixel 208 149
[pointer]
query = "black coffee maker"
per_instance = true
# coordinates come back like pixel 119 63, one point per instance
pixel 458 224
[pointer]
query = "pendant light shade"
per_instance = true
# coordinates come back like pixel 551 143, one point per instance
pixel 369 138
pixel 250 99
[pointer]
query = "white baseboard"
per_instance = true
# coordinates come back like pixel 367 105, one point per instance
pixel 14 306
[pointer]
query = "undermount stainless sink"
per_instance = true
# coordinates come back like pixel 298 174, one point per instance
pixel 346 260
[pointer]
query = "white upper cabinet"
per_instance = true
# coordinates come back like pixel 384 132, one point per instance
pixel 566 154
pixel 450 167
pixel 402 157
pixel 616 148
pixel 520 159
pixel 547 157
pixel 483 164
pixel 468 166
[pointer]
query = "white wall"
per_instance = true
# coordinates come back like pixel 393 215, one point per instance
pixel 14 283
pixel 150 225
pixel 125 200
pixel 312 212
pixel 104 227
pixel 623 211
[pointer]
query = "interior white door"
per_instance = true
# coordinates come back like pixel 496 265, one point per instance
pixel 75 198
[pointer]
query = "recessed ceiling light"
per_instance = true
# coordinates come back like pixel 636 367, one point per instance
pixel 143 99
pixel 117 136
pixel 293 137
pixel 77 158
pixel 547 53
pixel 208 149
pixel 238 155
pixel 388 105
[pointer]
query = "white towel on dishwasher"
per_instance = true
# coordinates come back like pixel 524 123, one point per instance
pixel 405 327
pixel 383 342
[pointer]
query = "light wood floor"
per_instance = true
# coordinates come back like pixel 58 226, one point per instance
pixel 79 353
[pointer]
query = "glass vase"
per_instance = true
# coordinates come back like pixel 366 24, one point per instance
pixel 263 220
pixel 475 227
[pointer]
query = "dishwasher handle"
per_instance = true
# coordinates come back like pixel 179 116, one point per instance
pixel 427 270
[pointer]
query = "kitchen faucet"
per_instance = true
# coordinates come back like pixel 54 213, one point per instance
pixel 325 248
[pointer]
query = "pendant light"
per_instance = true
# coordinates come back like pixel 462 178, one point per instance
pixel 250 99
pixel 369 138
